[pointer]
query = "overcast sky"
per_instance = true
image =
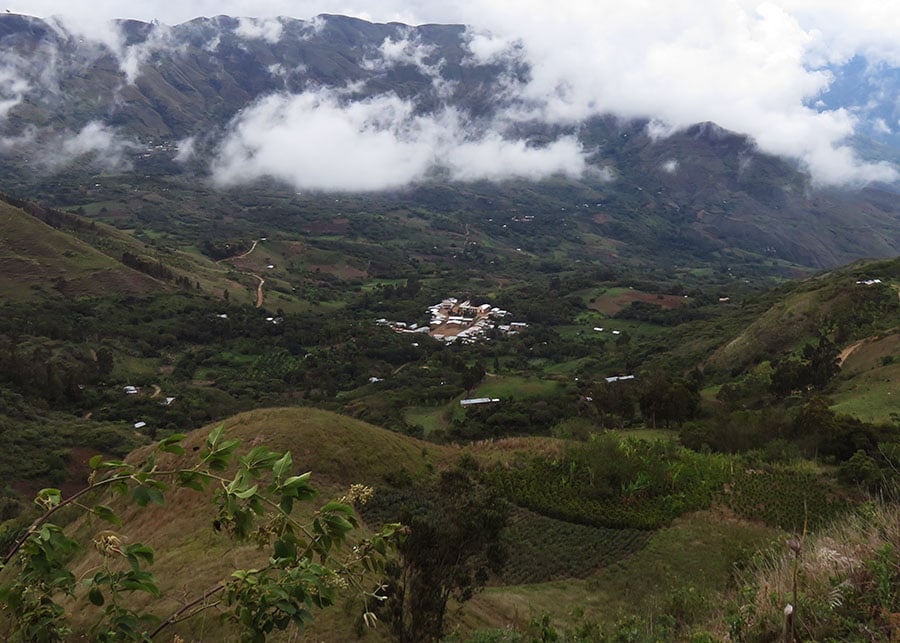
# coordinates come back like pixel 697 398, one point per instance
pixel 750 66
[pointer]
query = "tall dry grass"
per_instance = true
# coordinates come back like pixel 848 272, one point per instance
pixel 846 580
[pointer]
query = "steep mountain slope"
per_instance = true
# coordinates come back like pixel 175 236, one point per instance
pixel 35 258
pixel 840 303
pixel 715 185
pixel 199 74
pixel 161 103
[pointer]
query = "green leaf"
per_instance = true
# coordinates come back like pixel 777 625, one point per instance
pixel 191 480
pixel 172 444
pixel 299 487
pixel 218 458
pixel 284 548
pixel 256 505
pixel 96 596
pixel 338 525
pixel 139 552
pixel 106 513
pixel 156 496
pixel 150 464
pixel 144 495
pixel 212 440
pixel 257 459
pixel 141 496
pixel 157 484
pixel 294 481
pixel 97 462
pixel 282 466
pixel 333 506
pixel 48 497
pixel 246 493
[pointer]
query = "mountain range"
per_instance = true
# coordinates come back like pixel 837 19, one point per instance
pixel 338 104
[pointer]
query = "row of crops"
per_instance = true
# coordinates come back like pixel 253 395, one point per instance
pixel 541 549
pixel 650 496
pixel 648 490
pixel 784 498
pixel 573 516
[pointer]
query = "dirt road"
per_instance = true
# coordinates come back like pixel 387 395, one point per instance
pixel 260 297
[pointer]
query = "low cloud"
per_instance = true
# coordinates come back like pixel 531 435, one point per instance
pixel 753 66
pixel 132 58
pixel 486 48
pixel 256 29
pixel 186 149
pixel 96 143
pixel 108 35
pixel 20 141
pixel 750 67
pixel 670 166
pixel 315 141
pixel 12 89
pixel 409 50
pixel 496 159
pixel 23 75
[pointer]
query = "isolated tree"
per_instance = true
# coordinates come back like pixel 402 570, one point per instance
pixel 615 400
pixel 105 362
pixel 652 398
pixel 451 546
pixel 472 375
pixel 682 402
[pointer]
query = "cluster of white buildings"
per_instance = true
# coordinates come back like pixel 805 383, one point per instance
pixel 460 321
pixel 869 282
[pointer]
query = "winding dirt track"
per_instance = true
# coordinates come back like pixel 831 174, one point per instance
pixel 260 297
pixel 847 352
pixel 259 290
pixel 252 248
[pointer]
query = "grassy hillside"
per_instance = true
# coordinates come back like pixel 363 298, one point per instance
pixel 831 303
pixel 569 573
pixel 36 259
pixel 192 556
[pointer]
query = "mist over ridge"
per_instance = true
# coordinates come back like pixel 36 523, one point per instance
pixel 340 103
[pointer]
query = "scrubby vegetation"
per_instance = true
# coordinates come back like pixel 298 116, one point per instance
pixel 605 444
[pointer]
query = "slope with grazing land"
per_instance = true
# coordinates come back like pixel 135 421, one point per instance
pixel 36 259
pixel 802 310
pixel 192 557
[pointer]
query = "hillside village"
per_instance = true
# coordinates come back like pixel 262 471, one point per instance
pixel 453 320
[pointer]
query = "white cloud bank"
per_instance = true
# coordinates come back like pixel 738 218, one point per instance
pixel 253 28
pixel 96 145
pixel 751 66
pixel 315 141
pixel 102 144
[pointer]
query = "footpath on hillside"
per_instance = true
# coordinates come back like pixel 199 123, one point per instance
pixel 260 297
